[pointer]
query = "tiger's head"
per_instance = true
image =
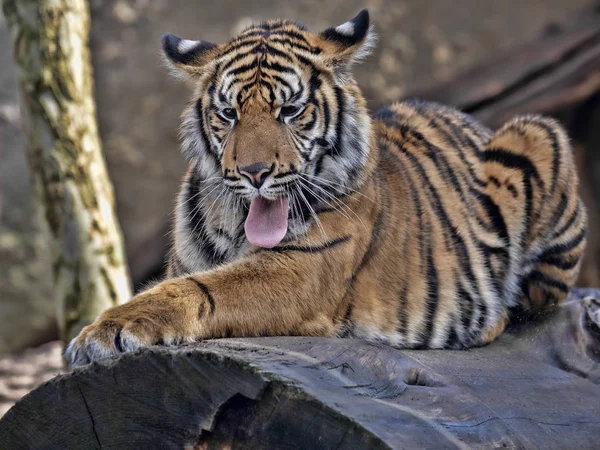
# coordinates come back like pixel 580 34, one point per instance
pixel 277 118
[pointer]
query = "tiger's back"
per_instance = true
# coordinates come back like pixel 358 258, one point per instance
pixel 473 223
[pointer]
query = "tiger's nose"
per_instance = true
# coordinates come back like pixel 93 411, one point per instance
pixel 257 173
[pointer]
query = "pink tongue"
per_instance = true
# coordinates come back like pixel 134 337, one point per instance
pixel 266 224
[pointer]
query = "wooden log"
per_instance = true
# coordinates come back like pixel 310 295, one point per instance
pixel 536 387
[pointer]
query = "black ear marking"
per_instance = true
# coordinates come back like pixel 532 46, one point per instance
pixel 182 51
pixel 350 33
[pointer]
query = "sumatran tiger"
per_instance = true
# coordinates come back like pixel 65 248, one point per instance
pixel 302 214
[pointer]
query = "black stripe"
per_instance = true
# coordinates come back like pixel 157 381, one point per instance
pixel 483 310
pixel 494 214
pixel 559 262
pixel 347 325
pixel 311 248
pixel 308 126
pixel 497 279
pixel 274 30
pixel 196 223
pixel 436 155
pixel 512 160
pixel 527 216
pixel 426 265
pixel 326 116
pixel 375 236
pixel 341 108
pixel 558 212
pixel 237 80
pixel 282 81
pixel 452 338
pixel 314 83
pixel 276 52
pixel 432 297
pixel 296 45
pixel 240 56
pixel 457 138
pixel 555 148
pixel 241 69
pixel 442 215
pixel 238 43
pixel 205 291
pixel 540 277
pixel 416 201
pixel 278 67
pixel 201 119
pixel 566 247
pixel 466 306
pixel 568 225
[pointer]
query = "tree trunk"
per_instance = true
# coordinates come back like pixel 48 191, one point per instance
pixel 68 169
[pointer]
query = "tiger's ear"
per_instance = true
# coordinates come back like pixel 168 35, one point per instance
pixel 348 43
pixel 191 57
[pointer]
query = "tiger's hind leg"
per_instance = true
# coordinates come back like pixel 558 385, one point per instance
pixel 555 269
pixel 531 157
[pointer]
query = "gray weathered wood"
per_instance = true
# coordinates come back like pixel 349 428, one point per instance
pixel 535 387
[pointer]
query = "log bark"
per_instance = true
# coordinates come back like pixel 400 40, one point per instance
pixel 536 387
pixel 50 40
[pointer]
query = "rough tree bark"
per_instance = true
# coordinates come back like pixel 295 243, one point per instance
pixel 50 40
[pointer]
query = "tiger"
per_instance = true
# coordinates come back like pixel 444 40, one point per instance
pixel 302 214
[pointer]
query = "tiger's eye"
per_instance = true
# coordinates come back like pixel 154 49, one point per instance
pixel 229 113
pixel 289 111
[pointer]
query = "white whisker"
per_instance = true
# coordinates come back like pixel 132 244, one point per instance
pixel 314 215
pixel 326 202
pixel 336 200
pixel 338 187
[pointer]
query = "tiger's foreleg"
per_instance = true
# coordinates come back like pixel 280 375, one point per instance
pixel 290 290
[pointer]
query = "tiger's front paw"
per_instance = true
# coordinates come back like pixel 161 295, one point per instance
pixel 163 315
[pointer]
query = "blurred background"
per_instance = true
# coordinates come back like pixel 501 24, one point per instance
pixel 428 48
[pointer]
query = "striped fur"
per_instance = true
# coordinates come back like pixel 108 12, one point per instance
pixel 418 226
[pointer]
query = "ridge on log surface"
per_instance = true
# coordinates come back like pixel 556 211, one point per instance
pixel 535 387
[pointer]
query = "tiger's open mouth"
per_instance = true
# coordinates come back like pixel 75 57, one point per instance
pixel 267 221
